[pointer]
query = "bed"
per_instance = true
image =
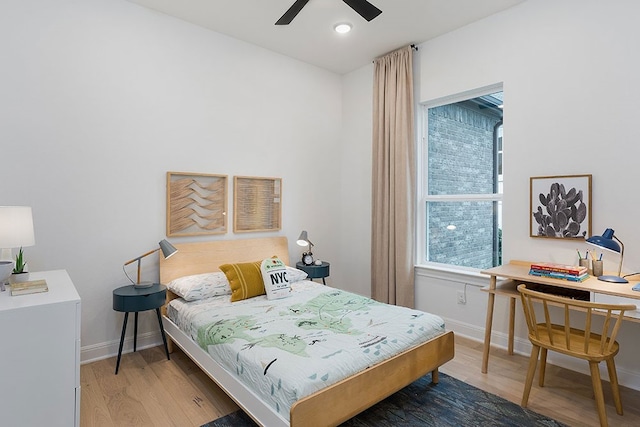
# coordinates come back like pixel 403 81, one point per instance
pixel 345 398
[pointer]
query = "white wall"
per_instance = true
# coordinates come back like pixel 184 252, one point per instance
pixel 355 187
pixel 100 98
pixel 571 107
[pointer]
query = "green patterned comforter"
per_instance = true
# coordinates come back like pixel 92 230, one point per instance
pixel 289 348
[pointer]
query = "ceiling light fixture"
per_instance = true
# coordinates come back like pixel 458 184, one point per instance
pixel 342 28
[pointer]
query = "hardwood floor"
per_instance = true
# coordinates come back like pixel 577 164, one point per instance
pixel 149 390
pixel 567 396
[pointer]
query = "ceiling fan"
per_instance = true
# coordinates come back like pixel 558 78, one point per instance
pixel 362 7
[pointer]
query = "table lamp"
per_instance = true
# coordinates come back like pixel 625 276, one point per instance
pixel 167 250
pixel 607 242
pixel 16 231
pixel 303 240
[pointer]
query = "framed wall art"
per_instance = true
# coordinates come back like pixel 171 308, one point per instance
pixel 196 204
pixel 560 206
pixel 256 204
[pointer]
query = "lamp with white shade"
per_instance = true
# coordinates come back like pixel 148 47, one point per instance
pixel 16 231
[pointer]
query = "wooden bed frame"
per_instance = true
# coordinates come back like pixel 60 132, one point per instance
pixel 328 407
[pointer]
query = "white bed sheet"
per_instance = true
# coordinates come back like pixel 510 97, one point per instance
pixel 289 348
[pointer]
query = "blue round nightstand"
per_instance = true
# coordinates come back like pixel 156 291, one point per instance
pixel 315 271
pixel 129 299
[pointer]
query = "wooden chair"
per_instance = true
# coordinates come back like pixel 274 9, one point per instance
pixel 580 343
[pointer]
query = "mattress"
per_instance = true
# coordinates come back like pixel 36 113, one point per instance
pixel 292 347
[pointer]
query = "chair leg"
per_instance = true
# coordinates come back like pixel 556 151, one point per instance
pixel 543 366
pixel 512 317
pixel 597 391
pixel 615 389
pixel 533 361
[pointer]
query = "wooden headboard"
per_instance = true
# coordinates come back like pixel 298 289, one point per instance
pixel 205 257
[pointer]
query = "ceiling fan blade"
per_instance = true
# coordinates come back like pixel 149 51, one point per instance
pixel 364 8
pixel 292 12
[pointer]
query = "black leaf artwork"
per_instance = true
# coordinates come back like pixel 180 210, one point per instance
pixel 561 213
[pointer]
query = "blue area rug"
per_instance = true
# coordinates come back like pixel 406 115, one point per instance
pixel 449 403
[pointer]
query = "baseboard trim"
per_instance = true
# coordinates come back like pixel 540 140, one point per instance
pixel 95 352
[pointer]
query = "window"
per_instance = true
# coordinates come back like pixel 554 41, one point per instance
pixel 461 181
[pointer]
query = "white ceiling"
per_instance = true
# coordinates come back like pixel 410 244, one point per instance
pixel 310 36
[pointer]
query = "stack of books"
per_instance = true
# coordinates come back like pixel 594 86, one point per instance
pixel 574 273
pixel 32 287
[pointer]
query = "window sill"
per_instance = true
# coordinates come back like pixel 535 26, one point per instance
pixel 470 276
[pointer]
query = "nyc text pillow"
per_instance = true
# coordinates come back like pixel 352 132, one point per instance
pixel 274 275
pixel 245 279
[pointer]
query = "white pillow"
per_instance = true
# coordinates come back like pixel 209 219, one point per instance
pixel 274 277
pixel 295 275
pixel 200 286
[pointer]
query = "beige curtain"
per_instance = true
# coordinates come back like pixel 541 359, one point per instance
pixel 392 234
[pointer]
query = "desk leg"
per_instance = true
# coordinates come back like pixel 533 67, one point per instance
pixel 164 337
pixel 124 329
pixel 488 325
pixel 135 333
pixel 512 317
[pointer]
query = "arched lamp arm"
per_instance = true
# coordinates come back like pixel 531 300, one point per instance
pixel 139 258
pixel 621 254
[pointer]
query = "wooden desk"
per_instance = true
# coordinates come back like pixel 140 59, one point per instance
pixel 517 272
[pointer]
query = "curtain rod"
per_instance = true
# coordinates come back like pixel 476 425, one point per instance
pixel 413 47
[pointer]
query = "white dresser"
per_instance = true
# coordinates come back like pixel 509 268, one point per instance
pixel 40 354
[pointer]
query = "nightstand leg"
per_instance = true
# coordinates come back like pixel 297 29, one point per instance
pixel 135 333
pixel 124 329
pixel 164 337
pixel 323 282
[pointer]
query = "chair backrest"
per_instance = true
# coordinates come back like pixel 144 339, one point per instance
pixel 563 330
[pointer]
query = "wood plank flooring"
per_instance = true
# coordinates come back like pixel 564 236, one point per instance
pixel 149 390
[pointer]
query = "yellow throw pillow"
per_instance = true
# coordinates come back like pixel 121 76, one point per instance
pixel 245 279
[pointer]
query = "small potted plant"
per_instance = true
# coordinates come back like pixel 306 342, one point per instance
pixel 19 270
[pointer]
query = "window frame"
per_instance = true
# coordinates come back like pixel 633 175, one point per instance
pixel 422 176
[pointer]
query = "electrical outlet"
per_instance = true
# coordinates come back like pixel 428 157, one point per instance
pixel 462 298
